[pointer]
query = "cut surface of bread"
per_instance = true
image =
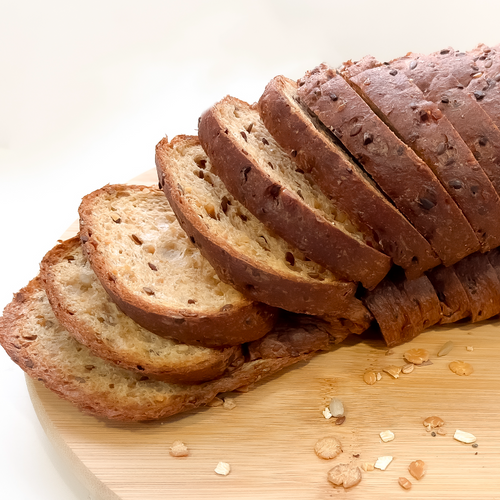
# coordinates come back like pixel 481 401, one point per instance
pixel 317 153
pixel 84 309
pixel 423 126
pixel 400 173
pixel 155 275
pixel 36 341
pixel 245 253
pixel 261 176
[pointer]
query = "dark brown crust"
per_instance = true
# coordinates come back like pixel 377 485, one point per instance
pixel 455 304
pixel 404 308
pixel 494 258
pixel 283 210
pixel 338 178
pixel 481 283
pixel 308 333
pixel 228 327
pixel 422 126
pixel 461 108
pixel 424 68
pixel 357 318
pixel 389 308
pixel 400 173
pixel 220 359
pixel 31 356
pixel 421 292
pixel 247 275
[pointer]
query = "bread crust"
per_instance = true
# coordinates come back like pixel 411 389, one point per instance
pixel 225 327
pixel 454 302
pixel 249 276
pixel 91 391
pixel 422 126
pixel 387 304
pixel 283 210
pixel 209 364
pixel 399 172
pixel 403 308
pixel 442 86
pixel 481 283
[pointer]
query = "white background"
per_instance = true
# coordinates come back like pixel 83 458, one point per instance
pixel 87 88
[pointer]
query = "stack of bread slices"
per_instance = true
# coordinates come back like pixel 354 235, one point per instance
pixel 367 195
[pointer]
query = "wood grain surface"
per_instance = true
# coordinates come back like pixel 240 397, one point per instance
pixel 268 438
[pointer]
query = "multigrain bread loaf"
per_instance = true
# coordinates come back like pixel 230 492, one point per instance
pixel 422 125
pixel 398 171
pixel 35 340
pixel 122 234
pixel 244 252
pixel 85 310
pixel 261 176
pixel 155 275
pixel 340 178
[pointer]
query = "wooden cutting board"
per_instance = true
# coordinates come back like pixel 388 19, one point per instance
pixel 268 438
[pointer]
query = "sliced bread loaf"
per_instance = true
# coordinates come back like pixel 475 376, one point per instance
pixel 340 178
pixel 82 306
pixel 35 340
pixel 400 173
pixel 156 276
pixel 261 176
pixel 422 126
pixel 244 252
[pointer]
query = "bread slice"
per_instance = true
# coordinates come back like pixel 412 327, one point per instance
pixel 422 126
pixel 156 276
pixel 401 174
pixel 261 176
pixel 461 108
pixel 244 252
pixel 35 340
pixel 340 178
pixel 83 307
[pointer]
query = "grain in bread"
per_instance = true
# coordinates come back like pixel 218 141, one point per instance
pixel 35 340
pixel 261 176
pixel 155 275
pixel 244 252
pixel 399 172
pixel 85 310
